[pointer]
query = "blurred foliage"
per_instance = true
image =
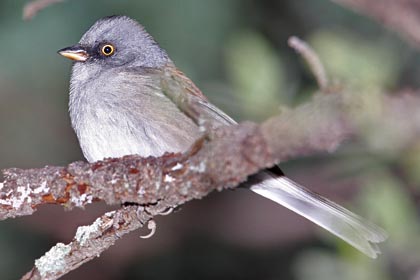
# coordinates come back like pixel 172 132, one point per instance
pixel 411 165
pixel 202 257
pixel 256 73
pixel 319 265
pixel 355 61
pixel 400 218
pixel 237 54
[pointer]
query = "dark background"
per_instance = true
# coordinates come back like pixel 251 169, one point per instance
pixel 236 52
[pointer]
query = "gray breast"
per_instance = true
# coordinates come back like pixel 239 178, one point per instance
pixel 120 113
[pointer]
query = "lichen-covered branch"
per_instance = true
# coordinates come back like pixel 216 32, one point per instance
pixel 228 159
pixel 88 243
pixel 234 153
pixel 153 185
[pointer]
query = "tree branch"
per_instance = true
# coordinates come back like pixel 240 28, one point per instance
pixel 402 16
pixel 170 180
pixel 88 243
pixel 152 185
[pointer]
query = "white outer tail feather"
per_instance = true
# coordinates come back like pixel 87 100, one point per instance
pixel 358 232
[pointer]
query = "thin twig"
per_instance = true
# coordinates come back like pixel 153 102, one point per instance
pixel 32 8
pixel 312 59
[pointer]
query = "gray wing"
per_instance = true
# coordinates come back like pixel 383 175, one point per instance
pixel 215 114
pixel 189 99
pixel 358 232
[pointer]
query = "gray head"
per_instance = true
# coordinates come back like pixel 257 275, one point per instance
pixel 115 41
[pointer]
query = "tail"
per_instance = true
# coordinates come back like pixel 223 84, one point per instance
pixel 350 227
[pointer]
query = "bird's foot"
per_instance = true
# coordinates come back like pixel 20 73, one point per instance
pixel 151 224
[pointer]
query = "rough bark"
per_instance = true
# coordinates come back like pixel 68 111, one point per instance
pixel 150 186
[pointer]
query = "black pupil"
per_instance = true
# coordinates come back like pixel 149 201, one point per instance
pixel 107 50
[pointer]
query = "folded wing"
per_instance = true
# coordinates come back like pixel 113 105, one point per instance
pixel 348 226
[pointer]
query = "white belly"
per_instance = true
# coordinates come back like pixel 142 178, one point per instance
pixel 104 135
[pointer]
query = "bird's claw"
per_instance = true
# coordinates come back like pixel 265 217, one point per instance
pixel 151 224
pixel 167 211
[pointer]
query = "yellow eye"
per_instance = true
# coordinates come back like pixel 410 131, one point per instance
pixel 108 50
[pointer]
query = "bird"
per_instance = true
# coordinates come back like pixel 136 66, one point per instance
pixel 118 106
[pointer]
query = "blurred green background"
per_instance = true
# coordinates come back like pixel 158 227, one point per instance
pixel 236 52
